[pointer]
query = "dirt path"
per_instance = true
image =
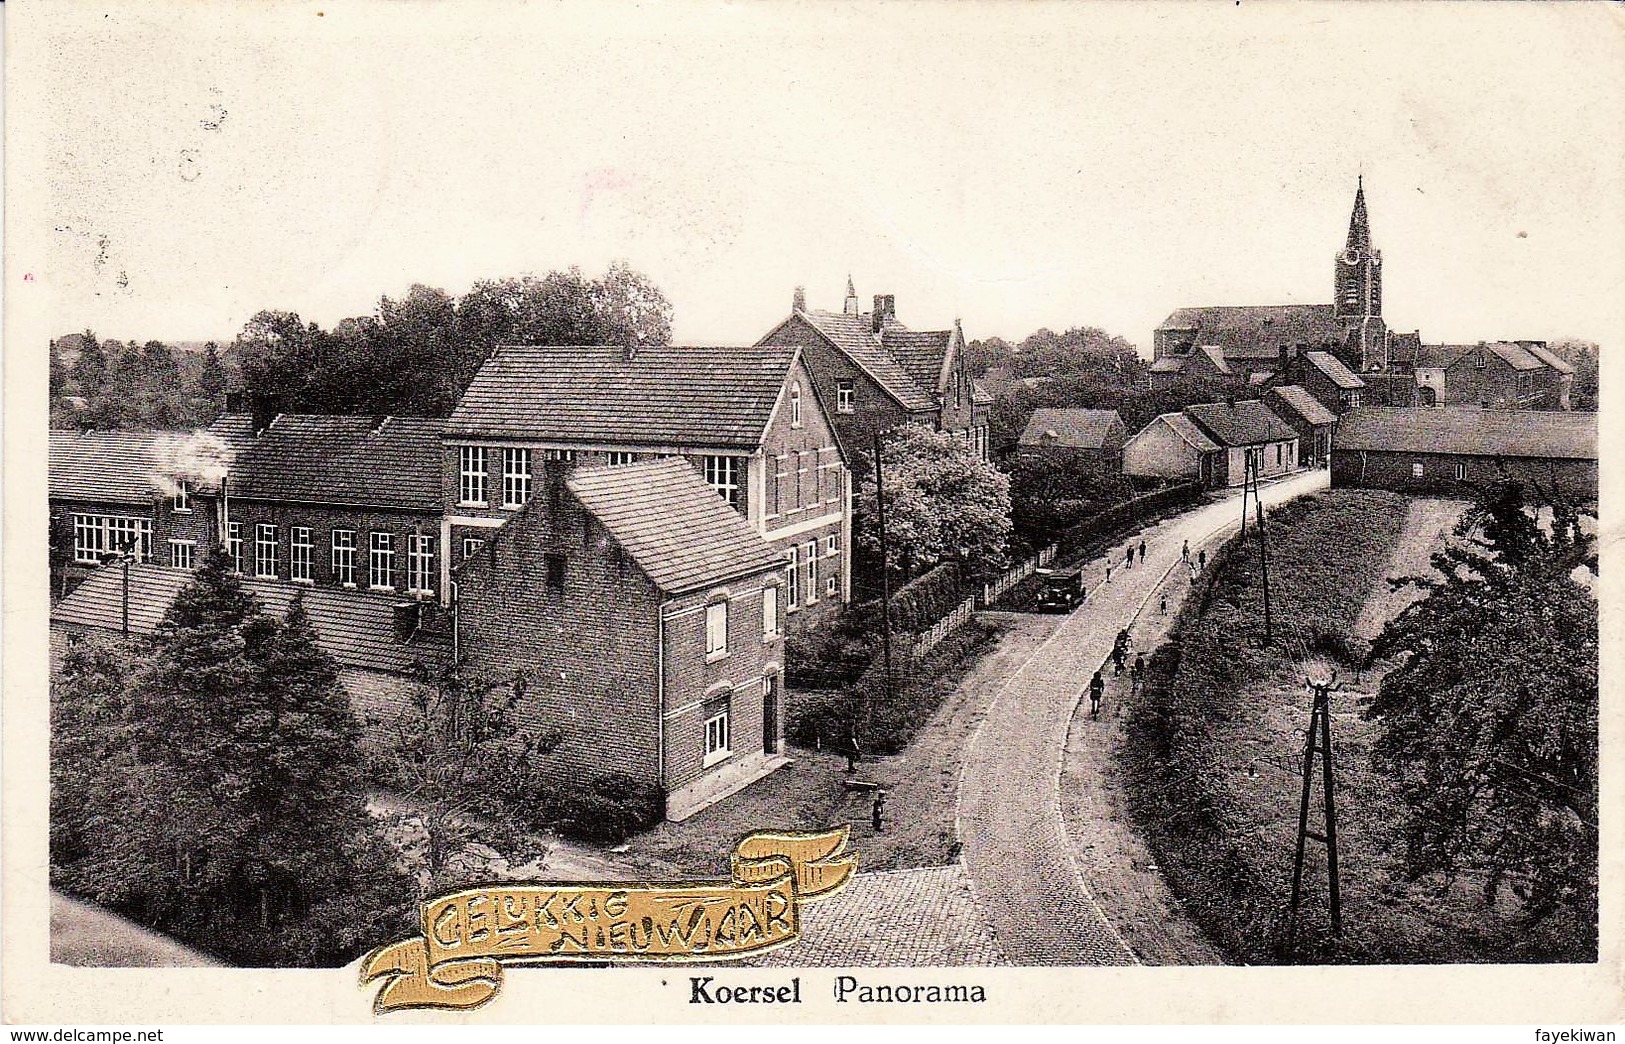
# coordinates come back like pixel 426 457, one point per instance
pixel 1031 881
pixel 1428 523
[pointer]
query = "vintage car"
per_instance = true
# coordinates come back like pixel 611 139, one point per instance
pixel 1060 590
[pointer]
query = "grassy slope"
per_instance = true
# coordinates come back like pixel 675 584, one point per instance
pixel 1213 752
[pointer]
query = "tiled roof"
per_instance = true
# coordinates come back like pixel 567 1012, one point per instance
pixel 661 396
pixel 1247 423
pixel 1470 430
pixel 1405 347
pixel 1259 331
pixel 234 429
pixel 1215 355
pixel 1439 355
pixel 854 336
pixel 318 458
pixel 1333 368
pixel 675 527
pixel 920 352
pixel 117 466
pixel 1193 435
pixel 1515 356
pixel 980 395
pixel 1547 356
pixel 1072 428
pixel 357 628
pixel 1169 364
pixel 1303 404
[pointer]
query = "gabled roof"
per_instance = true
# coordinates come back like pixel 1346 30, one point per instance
pixel 1247 423
pixel 116 466
pixel 1215 355
pixel 854 337
pixel 1306 406
pixel 1259 331
pixel 919 352
pixel 1547 356
pixel 357 628
pixel 674 526
pixel 1169 364
pixel 1181 425
pixel 979 394
pixel 655 395
pixel 1072 428
pixel 1405 347
pixel 1333 368
pixel 234 429
pixel 362 461
pixel 1515 356
pixel 1470 430
pixel 1440 356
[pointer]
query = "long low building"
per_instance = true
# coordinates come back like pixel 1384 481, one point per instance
pixel 1211 443
pixel 1448 450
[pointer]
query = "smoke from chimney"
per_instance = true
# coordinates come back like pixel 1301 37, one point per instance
pixel 198 458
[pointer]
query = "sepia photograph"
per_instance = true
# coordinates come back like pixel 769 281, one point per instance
pixel 883 492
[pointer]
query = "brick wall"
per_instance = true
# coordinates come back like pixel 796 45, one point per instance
pixel 322 520
pixel 872 409
pixel 1370 469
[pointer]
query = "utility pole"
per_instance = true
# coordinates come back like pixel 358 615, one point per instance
pixel 885 568
pixel 1249 488
pixel 1318 741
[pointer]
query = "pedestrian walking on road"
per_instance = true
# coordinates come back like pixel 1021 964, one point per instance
pixel 1128 557
pixel 1108 571
pixel 1142 552
pixel 1097 688
pixel 1163 606
pixel 1201 559
pixel 879 810
pixel 1185 552
pixel 1136 674
pixel 1119 654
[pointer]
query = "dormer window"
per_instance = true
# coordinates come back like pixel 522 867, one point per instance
pixel 795 405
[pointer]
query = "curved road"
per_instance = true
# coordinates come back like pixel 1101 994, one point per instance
pixel 1014 842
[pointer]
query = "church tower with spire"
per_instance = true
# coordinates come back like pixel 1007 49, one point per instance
pixel 1357 300
pixel 1359 267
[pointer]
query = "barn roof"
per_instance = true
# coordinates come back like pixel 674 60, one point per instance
pixel 357 628
pixel 654 395
pixel 674 526
pixel 1071 428
pixel 1547 356
pixel 327 459
pixel 1246 423
pixel 1472 431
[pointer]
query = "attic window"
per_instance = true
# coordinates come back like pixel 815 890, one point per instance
pixel 795 405
pixel 555 571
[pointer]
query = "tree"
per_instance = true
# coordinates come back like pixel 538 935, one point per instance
pixel 942 501
pixel 89 370
pixel 1489 719
pixel 1584 357
pixel 211 378
pixel 237 811
pixel 464 763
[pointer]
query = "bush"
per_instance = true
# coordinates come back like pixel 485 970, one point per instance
pixel 607 809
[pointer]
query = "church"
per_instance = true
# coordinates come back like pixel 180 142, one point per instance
pixel 1345 354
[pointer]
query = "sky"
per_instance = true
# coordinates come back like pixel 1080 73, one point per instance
pixel 1015 166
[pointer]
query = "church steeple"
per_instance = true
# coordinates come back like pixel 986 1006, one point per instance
pixel 1358 284
pixel 850 307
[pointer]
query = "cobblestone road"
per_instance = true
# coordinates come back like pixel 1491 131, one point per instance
pixel 1016 852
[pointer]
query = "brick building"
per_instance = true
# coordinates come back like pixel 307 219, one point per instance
pixel 646 615
pixel 1211 443
pixel 336 501
pixel 1447 451
pixel 876 373
pixel 1505 375
pixel 110 490
pixel 1306 415
pixel 1065 436
pixel 752 422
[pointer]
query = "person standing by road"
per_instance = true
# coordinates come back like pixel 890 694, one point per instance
pixel 877 813
pixel 1185 553
pixel 1128 557
pixel 1097 688
pixel 1201 559
pixel 1142 552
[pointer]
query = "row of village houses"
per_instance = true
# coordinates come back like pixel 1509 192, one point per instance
pixel 633 529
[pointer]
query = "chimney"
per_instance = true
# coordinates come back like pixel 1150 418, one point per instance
pixel 1285 355
pixel 630 353
pixel 236 402
pixel 798 303
pixel 885 308
pixel 262 410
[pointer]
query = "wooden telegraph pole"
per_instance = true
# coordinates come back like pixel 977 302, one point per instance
pixel 1250 489
pixel 1318 741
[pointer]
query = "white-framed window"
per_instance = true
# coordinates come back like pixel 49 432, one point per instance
pixel 795 405
pixel 299 553
pixel 420 563
pixel 716 731
pixel 619 457
pixel 844 394
pixel 722 475
pixel 471 547
pixel 565 455
pixel 182 553
pixel 810 560
pixel 471 475
pixel 1461 471
pixel 831 586
pixel 344 556
pixel 770 611
pixel 716 630
pixel 182 500
pixel 234 544
pixel 381 560
pixel 265 549
pixel 1354 398
pixel 1478 360
pixel 832 546
pixel 515 477
pixel 801 475
pixel 1416 469
pixel 87 538
pixel 779 475
pixel 792 590
pixel 130 534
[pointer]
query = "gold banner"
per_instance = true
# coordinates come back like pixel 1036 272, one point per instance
pixel 469 935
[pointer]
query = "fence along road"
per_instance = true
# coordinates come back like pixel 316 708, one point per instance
pixel 1013 840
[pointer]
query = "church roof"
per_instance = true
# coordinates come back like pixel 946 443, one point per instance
pixel 1359 237
pixel 1259 331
